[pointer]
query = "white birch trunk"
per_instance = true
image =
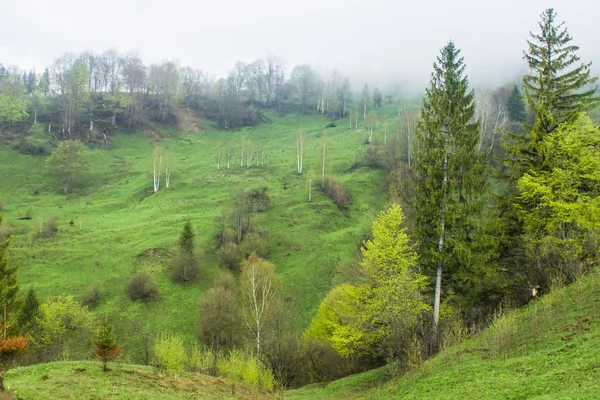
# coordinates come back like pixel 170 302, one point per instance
pixel 440 264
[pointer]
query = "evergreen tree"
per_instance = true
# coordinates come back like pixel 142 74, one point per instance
pixel 29 310
pixel 516 106
pixel 187 239
pixel 185 266
pixel 105 345
pixel 9 286
pixel 557 90
pixel 450 176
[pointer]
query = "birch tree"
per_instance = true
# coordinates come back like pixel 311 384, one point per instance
pixel 299 150
pixel 157 161
pixel 258 292
pixel 168 163
pixel 323 159
pixel 365 96
pixel 450 174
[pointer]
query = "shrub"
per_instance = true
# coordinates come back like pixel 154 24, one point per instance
pixel 336 190
pixel 239 368
pixel 48 228
pixel 230 256
pixel 258 198
pixel 184 269
pixel 254 243
pixel 11 348
pixel 93 296
pixel 285 357
pixel 169 353
pixel 202 360
pixel 142 287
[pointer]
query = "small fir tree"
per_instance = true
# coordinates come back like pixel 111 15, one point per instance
pixel 105 346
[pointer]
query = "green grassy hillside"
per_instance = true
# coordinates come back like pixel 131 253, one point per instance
pixel 547 350
pixel 85 380
pixel 116 218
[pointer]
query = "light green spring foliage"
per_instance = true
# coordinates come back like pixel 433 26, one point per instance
pixel 239 368
pixel 67 161
pixel 353 318
pixel 201 359
pixel 59 317
pixel 560 204
pixel 13 102
pixel 169 353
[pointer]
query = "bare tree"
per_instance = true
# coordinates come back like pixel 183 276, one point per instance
pixel 345 94
pixel 365 96
pixel 299 150
pixel 304 80
pixel 163 83
pixel 156 159
pixel 70 82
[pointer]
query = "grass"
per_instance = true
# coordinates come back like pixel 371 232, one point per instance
pixel 120 226
pixel 85 380
pixel 547 350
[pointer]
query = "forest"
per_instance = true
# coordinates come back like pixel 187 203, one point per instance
pixel 279 227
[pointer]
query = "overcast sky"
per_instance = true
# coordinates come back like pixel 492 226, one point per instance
pixel 376 40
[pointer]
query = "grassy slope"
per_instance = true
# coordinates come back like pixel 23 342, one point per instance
pixel 122 218
pixel 85 380
pixel 548 350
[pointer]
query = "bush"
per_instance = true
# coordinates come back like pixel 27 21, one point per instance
pixel 258 198
pixel 169 353
pixel 254 243
pixel 184 269
pixel 142 287
pixel 47 228
pixel 230 256
pixel 336 190
pixel 202 360
pixel 285 357
pixel 93 296
pixel 239 368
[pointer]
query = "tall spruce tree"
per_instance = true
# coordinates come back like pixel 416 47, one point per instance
pixel 9 286
pixel 516 106
pixel 450 175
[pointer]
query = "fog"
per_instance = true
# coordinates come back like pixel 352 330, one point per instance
pixel 380 42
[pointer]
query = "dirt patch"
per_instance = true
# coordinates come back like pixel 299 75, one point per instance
pixel 6 395
pixel 187 121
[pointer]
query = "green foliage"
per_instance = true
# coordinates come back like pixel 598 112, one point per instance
pixel 450 178
pixel 68 161
pixel 559 205
pixel 9 286
pixel 239 368
pixel 13 103
pixel 105 345
pixel 254 243
pixel 516 106
pixel 557 90
pixel 356 319
pixel 185 266
pixel 93 297
pixel 142 287
pixel 62 329
pixel 30 311
pixel 169 353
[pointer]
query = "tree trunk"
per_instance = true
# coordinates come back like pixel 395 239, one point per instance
pixel 440 264
pixel 2 372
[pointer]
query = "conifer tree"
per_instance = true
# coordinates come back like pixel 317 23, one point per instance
pixel 450 175
pixel 9 286
pixel 516 106
pixel 105 346
pixel 29 310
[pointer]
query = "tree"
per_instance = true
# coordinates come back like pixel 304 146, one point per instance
pixel 185 267
pixel 68 161
pixel 365 96
pixel 377 97
pixel 105 346
pixel 219 314
pixel 157 161
pixel 29 311
pixel 163 83
pixel 323 160
pixel 559 207
pixel 557 91
pixel 9 285
pixel 13 103
pixel 71 78
pixel 345 95
pixel 450 174
pixel 370 316
pixel 516 106
pixel 11 348
pixel 299 150
pixel 258 291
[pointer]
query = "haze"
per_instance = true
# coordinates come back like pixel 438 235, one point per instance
pixel 380 42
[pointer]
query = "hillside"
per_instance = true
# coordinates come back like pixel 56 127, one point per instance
pixel 547 350
pixel 85 380
pixel 112 223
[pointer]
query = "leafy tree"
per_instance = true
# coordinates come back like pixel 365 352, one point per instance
pixel 68 160
pixel 377 98
pixel 9 286
pixel 13 103
pixel 560 204
pixel 386 304
pixel 258 291
pixel 169 353
pixel 30 310
pixel 185 266
pixel 516 106
pixel 105 345
pixel 450 175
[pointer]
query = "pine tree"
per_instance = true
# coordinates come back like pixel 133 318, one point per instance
pixel 557 90
pixel 185 266
pixel 105 345
pixel 9 286
pixel 450 174
pixel 516 106
pixel 29 310
pixel 186 239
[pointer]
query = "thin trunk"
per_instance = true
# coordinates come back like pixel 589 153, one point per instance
pixel 323 166
pixel 219 157
pixel 365 110
pixel 344 109
pixel 309 189
pixel 35 116
pixel 167 176
pixel 242 159
pixel 440 264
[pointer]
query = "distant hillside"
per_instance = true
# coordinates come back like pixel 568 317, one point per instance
pixel 547 350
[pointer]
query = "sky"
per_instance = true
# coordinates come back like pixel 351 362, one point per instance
pixel 381 42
